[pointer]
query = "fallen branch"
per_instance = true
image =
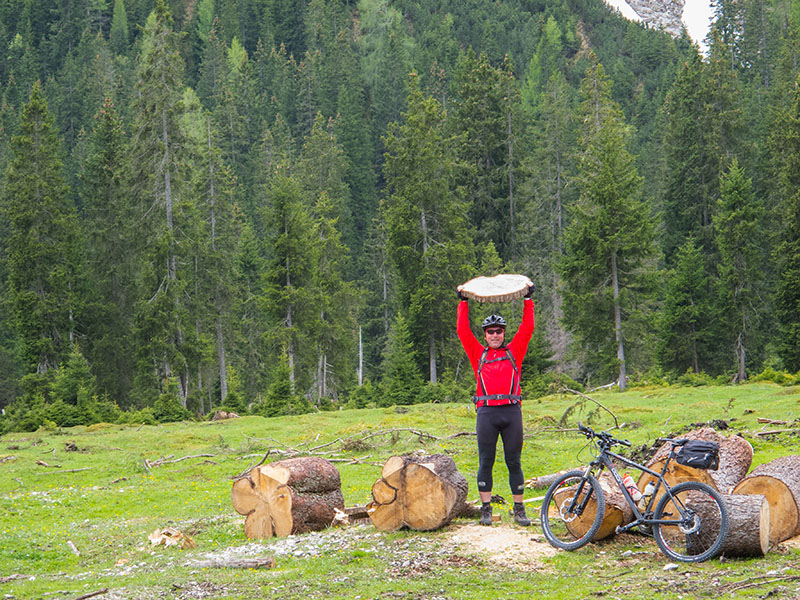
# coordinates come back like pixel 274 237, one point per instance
pixel 92 594
pixel 64 471
pixel 41 463
pixel 582 395
pixel 240 563
pixel 246 472
pixel 772 421
pixel 13 576
pixel 7 458
pixel 775 432
pixel 754 582
pixel 164 461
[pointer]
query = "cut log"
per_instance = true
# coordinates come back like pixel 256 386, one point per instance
pixel 748 534
pixel 617 511
pixel 735 457
pixel 422 493
pixel 779 482
pixel 289 496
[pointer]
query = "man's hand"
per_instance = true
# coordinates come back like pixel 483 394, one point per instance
pixel 531 289
pixel 461 296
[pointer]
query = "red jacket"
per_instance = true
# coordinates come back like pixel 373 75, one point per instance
pixel 499 379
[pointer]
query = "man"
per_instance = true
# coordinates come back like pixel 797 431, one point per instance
pixel 498 399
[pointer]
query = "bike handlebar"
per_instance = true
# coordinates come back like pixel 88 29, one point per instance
pixel 604 436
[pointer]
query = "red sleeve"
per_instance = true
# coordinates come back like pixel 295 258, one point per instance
pixel 519 345
pixel 471 345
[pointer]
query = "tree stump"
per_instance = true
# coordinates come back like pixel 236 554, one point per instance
pixel 617 511
pixel 422 493
pixel 289 496
pixel 779 482
pixel 749 525
pixel 735 457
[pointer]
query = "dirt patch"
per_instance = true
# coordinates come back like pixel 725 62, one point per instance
pixel 503 545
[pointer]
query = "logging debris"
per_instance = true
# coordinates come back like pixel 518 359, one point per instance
pixel 169 536
pixel 267 562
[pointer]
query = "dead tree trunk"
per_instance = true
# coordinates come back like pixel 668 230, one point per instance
pixel 296 495
pixel 779 482
pixel 421 493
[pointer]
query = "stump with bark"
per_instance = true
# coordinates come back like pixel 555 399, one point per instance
pixel 617 512
pixel 289 496
pixel 735 457
pixel 422 493
pixel 779 482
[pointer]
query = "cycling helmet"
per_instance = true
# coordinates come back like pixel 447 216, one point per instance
pixel 493 320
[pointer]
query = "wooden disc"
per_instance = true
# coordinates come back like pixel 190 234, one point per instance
pixel 500 288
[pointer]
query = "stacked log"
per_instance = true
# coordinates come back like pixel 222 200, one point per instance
pixel 289 496
pixel 617 512
pixel 779 482
pixel 422 493
pixel 735 458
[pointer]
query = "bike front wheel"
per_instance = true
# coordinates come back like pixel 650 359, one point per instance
pixel 572 510
pixel 693 522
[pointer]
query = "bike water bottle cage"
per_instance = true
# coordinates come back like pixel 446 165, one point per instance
pixel 485 399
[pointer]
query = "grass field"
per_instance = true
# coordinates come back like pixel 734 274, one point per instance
pixel 77 506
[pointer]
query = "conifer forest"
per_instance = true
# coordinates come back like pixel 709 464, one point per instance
pixel 267 205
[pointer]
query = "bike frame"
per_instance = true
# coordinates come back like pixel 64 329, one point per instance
pixel 604 461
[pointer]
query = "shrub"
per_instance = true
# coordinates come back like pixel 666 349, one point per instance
pixel 692 379
pixel 548 383
pixel 779 377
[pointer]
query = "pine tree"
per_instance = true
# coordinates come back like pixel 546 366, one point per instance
pixel 483 107
pixel 685 323
pixel 610 238
pixel 402 381
pixel 288 278
pixel 44 259
pixel 216 242
pixel 738 226
pixel 105 201
pixel 119 28
pixel 161 321
pixel 428 241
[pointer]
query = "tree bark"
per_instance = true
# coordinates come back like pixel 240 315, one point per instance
pixel 290 496
pixel 422 493
pixel 779 482
pixel 623 376
pixel 748 534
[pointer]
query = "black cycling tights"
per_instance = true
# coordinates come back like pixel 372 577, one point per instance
pixel 505 420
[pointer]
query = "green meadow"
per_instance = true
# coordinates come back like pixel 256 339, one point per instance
pixel 77 505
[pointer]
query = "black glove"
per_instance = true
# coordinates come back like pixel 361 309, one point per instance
pixel 531 289
pixel 461 296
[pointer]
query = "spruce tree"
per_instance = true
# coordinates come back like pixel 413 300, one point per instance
pixel 610 238
pixel 106 205
pixel 738 226
pixel 428 239
pixel 44 249
pixel 119 28
pixel 162 324
pixel 685 323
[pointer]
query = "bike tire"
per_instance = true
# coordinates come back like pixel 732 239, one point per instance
pixel 697 539
pixel 576 530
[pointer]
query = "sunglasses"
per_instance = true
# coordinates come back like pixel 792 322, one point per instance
pixel 497 331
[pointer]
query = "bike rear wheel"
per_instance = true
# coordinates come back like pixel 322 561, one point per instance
pixel 572 510
pixel 698 522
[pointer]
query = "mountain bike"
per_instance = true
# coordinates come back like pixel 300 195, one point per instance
pixel 689 520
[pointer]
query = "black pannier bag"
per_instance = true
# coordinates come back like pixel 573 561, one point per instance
pixel 699 454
